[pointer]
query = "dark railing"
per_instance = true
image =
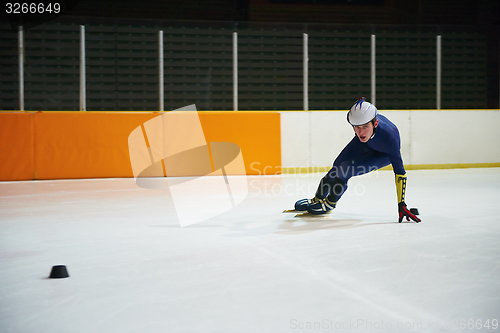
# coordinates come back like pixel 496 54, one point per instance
pixel 122 65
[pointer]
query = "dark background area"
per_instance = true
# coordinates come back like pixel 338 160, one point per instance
pixel 122 49
pixel 433 12
pixel 412 12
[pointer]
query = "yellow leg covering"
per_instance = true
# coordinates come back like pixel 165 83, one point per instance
pixel 401 187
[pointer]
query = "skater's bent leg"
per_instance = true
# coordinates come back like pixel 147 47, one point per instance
pixel 333 188
pixel 362 165
pixel 334 184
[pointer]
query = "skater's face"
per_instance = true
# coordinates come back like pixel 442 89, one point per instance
pixel 365 132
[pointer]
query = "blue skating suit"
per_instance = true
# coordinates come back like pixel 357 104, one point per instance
pixel 358 158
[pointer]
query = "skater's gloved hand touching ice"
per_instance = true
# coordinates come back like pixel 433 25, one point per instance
pixel 403 211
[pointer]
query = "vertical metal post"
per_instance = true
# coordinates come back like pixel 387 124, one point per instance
pixel 83 106
pixel 306 73
pixel 21 67
pixel 438 72
pixel 160 67
pixel 235 71
pixel 373 70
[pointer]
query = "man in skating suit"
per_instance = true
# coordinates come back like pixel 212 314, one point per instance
pixel 375 145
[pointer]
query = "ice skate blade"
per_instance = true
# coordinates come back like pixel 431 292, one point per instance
pixel 291 211
pixel 307 214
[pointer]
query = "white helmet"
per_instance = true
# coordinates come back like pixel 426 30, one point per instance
pixel 361 113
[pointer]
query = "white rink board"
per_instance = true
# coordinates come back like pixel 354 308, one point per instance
pixel 314 139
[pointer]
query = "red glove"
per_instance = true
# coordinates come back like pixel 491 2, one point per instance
pixel 404 212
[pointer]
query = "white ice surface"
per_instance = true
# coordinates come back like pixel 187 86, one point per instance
pixel 252 269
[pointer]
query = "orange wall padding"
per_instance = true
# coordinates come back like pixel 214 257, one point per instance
pixel 66 145
pixel 257 133
pixel 16 146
